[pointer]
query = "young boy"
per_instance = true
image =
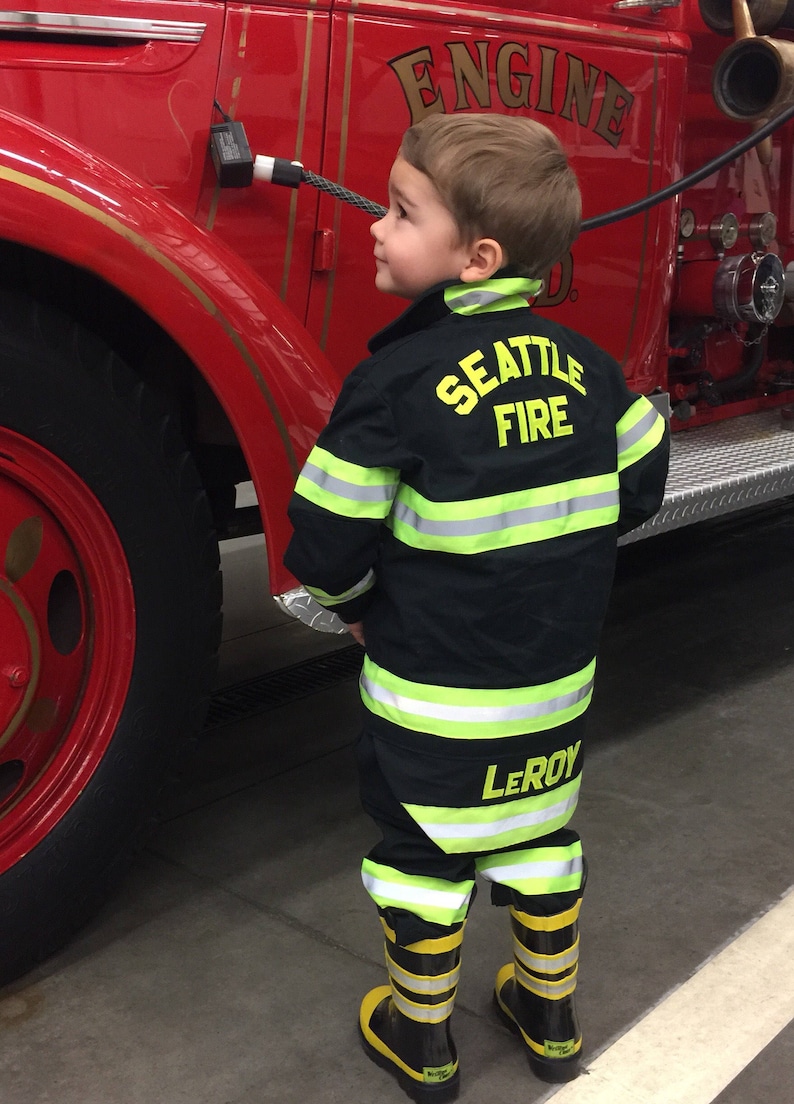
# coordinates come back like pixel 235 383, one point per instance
pixel 460 512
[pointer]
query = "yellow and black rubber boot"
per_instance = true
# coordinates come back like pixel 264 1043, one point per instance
pixel 405 1024
pixel 534 994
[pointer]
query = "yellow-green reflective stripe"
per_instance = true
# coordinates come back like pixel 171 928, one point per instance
pixel 488 296
pixel 546 964
pixel 536 870
pixel 361 587
pixel 505 521
pixel 345 488
pixel 344 505
pixel 423 1013
pixel 457 831
pixel 639 431
pixel 431 899
pixel 352 473
pixel 417 983
pixel 551 990
pixel 463 713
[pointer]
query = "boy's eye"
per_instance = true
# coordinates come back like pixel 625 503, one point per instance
pixel 401 212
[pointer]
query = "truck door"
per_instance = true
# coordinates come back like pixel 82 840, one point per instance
pixel 272 78
pixel 612 94
pixel 128 79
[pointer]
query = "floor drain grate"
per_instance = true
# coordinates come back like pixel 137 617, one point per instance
pixel 246 699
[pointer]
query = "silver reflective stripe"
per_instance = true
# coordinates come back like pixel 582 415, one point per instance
pixel 637 432
pixel 546 964
pixel 551 990
pixel 344 489
pixel 509 519
pixel 522 871
pixel 477 298
pixel 437 898
pixel 418 984
pixel 360 587
pixel 106 26
pixel 474 713
pixel 478 830
pixel 424 1013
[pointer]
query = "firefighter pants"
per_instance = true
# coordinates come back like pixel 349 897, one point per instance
pixel 425 886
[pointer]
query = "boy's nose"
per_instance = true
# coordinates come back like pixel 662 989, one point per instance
pixel 376 228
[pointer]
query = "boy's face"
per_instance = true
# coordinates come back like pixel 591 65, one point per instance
pixel 416 241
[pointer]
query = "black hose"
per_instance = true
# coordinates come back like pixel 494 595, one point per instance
pixel 692 178
pixel 620 213
pixel 746 375
pixel 714 391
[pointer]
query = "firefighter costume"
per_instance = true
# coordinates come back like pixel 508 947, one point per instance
pixel 465 501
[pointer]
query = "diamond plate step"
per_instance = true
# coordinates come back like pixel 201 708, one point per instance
pixel 724 467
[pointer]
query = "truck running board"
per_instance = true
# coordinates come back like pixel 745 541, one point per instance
pixel 724 467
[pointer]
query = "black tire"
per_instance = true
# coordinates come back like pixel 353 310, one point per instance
pixel 90 460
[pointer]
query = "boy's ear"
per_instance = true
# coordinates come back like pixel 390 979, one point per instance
pixel 486 257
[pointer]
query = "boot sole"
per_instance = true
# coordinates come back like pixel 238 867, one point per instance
pixel 553 1071
pixel 446 1092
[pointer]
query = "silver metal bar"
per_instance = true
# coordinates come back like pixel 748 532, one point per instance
pixel 63 23
pixel 654 5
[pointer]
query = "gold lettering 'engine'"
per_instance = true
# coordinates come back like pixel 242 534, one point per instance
pixel 517 75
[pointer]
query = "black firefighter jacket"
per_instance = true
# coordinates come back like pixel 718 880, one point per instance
pixel 465 501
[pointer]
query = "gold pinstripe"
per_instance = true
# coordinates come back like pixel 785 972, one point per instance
pixel 340 175
pixel 646 217
pixel 299 137
pixel 463 15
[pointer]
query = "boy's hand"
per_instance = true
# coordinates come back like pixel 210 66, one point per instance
pixel 356 630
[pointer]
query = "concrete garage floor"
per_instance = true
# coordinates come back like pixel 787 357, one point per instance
pixel 229 967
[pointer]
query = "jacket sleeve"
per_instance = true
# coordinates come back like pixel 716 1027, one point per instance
pixel 341 498
pixel 643 441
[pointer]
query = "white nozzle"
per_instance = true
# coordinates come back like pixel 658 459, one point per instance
pixel 277 170
pixel 263 168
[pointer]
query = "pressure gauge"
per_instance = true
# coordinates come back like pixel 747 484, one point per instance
pixel 724 231
pixel 687 225
pixel 762 229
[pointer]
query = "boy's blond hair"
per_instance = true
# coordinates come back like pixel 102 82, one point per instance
pixel 504 177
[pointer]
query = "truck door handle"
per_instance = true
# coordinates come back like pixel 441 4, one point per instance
pixel 654 5
pixel 67 25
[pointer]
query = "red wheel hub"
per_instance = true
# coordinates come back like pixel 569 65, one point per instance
pixel 67 634
pixel 17 681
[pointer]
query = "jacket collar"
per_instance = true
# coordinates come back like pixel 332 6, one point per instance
pixel 504 291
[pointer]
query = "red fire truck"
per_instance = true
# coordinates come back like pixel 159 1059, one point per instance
pixel 165 337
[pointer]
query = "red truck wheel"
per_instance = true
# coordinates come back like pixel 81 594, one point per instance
pixel 109 623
